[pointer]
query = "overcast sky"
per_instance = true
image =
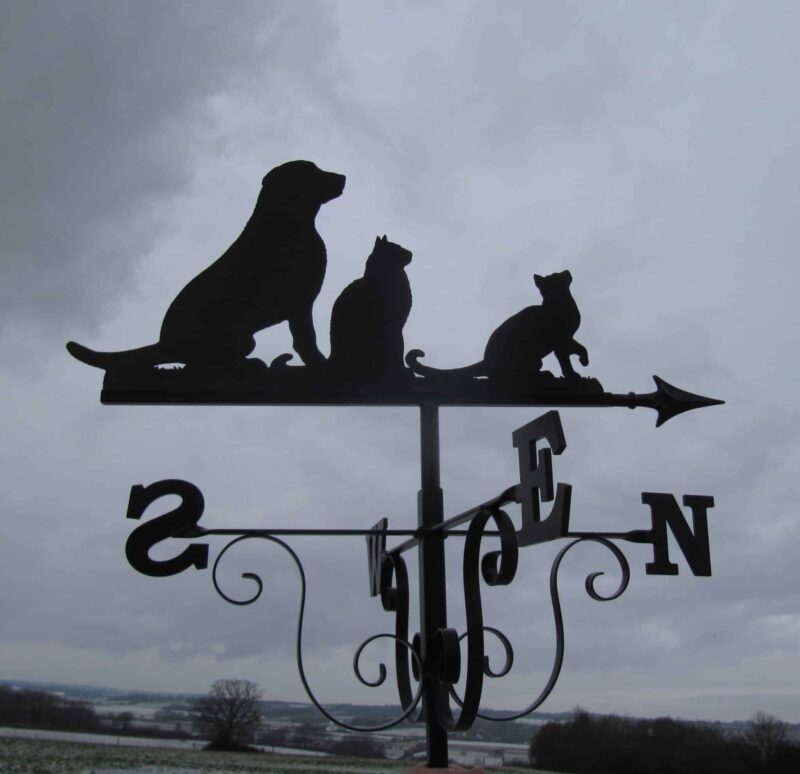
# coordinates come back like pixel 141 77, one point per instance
pixel 649 148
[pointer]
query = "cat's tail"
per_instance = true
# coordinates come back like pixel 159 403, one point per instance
pixel 449 374
pixel 150 355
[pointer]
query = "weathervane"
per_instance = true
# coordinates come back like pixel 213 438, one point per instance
pixel 273 273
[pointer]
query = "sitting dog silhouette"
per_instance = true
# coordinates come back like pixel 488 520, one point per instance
pixel 271 273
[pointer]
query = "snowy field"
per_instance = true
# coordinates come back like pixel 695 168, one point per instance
pixel 134 741
pixel 45 756
pixel 19 754
pixel 107 739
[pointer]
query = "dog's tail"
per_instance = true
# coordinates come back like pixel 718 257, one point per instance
pixel 150 355
pixel 449 374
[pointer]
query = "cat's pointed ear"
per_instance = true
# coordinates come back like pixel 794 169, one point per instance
pixel 384 239
pixel 538 279
pixel 377 241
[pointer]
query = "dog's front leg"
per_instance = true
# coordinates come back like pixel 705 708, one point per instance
pixel 304 338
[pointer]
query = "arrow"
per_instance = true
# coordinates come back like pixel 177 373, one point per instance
pixel 156 387
pixel 667 400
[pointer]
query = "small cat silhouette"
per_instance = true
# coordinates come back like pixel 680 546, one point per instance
pixel 515 350
pixel 368 317
pixel 271 273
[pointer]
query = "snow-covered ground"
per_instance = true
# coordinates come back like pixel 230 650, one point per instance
pixel 32 752
pixel 74 736
pixel 135 741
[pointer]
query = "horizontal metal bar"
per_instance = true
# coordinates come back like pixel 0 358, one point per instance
pixel 153 388
pixel 633 536
pixel 200 532
pixel 510 495
pixel 293 387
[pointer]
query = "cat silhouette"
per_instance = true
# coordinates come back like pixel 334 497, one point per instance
pixel 368 317
pixel 515 350
pixel 270 274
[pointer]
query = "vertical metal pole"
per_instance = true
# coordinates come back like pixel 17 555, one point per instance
pixel 432 596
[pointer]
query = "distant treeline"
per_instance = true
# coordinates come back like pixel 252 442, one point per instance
pixel 37 709
pixel 609 744
pixel 26 708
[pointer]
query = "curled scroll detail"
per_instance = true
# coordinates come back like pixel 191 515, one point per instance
pixel 497 568
pixel 394 598
pixel 401 645
pixel 559 620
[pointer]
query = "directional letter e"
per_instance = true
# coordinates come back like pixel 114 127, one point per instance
pixel 693 542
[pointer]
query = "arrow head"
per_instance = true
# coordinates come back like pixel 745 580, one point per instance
pixel 669 401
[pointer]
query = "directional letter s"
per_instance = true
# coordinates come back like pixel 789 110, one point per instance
pixel 171 524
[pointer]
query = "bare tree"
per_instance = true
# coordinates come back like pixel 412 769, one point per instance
pixel 765 733
pixel 229 714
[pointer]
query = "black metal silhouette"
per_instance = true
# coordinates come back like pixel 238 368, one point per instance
pixel 411 702
pixel 692 542
pixel 536 480
pixel 170 388
pixel 670 401
pixel 368 318
pixel 271 273
pixel 515 351
pixel 428 664
pixel 180 522
pixel 274 271
pixel 446 665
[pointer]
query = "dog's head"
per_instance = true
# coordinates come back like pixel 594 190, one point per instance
pixel 303 183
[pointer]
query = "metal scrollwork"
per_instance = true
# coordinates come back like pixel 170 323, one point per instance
pixel 487 668
pixel 509 652
pixel 497 569
pixel 559 620
pixel 396 598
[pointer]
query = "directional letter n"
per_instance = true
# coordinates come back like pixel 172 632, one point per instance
pixel 665 511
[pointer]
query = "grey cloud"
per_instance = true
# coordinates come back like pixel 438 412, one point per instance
pixel 101 103
pixel 653 153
